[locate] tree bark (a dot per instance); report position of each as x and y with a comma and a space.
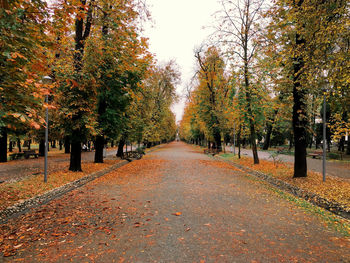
19, 145
81, 34
3, 145
42, 147
121, 147
239, 141
10, 147
75, 156
299, 112
66, 144
99, 145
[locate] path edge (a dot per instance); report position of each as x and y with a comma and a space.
313, 198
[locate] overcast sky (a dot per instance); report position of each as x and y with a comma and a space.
177, 30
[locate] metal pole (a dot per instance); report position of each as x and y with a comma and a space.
46, 138
234, 139
324, 137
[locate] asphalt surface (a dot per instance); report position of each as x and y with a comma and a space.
174, 205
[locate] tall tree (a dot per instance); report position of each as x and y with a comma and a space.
22, 63
237, 30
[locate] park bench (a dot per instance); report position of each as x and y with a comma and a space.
211, 151
132, 155
15, 156
316, 154
280, 150
29, 153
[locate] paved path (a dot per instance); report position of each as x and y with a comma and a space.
333, 168
175, 205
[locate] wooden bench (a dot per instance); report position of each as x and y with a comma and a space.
29, 153
211, 151
132, 155
316, 154
280, 150
15, 156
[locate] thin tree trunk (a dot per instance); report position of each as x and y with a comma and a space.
3, 145
239, 141
19, 145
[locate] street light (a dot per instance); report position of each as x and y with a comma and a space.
46, 80
324, 75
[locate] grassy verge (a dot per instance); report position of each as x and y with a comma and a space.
13, 192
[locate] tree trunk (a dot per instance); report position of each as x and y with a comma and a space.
121, 147
268, 137
341, 147
348, 148
239, 142
66, 144
29, 142
53, 144
99, 145
42, 147
299, 113
3, 145
19, 145
10, 147
60, 144
112, 143
75, 155
269, 131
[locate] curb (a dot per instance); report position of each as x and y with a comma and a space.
313, 198
36, 201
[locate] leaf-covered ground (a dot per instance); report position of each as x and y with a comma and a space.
175, 205
333, 189
13, 192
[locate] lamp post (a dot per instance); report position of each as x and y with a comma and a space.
324, 75
324, 136
46, 80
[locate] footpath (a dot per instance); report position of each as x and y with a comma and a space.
174, 205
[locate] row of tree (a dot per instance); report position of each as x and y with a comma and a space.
105, 83
265, 72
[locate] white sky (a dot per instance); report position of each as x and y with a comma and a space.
177, 30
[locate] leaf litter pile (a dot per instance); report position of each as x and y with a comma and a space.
334, 189
13, 192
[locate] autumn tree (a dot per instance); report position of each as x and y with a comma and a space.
307, 34
22, 61
237, 30
211, 85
